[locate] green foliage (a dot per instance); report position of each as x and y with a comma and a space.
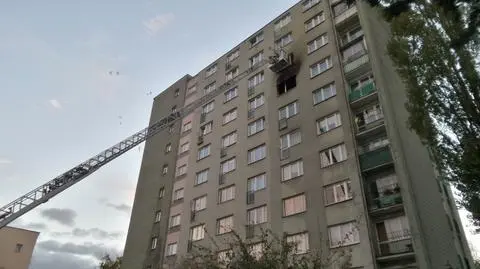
276, 253
443, 87
107, 262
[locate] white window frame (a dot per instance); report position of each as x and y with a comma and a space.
253, 217
284, 40
175, 220
233, 55
290, 139
328, 123
302, 204
201, 176
178, 194
308, 4
165, 169
154, 242
317, 43
226, 194
345, 231
256, 102
203, 152
191, 89
326, 92
182, 170
185, 147
230, 116
257, 183
301, 242
257, 126
207, 108
229, 139
258, 38
158, 216
161, 192
207, 128
211, 70
257, 154
319, 65
210, 88
197, 232
199, 203
288, 169
256, 80
171, 249
288, 111
336, 189
225, 225
168, 147
230, 94
314, 21
282, 22
233, 73
255, 59
231, 165
329, 153
187, 126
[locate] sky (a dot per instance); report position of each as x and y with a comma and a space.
75, 78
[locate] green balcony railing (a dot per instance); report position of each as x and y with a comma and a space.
375, 158
387, 201
363, 91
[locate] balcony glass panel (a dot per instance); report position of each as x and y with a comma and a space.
365, 118
394, 236
362, 91
375, 158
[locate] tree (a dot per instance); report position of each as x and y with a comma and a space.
443, 90
107, 262
464, 13
275, 252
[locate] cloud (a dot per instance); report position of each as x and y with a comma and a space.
55, 103
120, 207
86, 249
5, 161
43, 259
96, 233
154, 25
63, 216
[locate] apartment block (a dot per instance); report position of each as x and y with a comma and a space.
308, 137
16, 247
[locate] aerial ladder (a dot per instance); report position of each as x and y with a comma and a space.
45, 192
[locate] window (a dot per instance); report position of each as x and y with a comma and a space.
170, 129
229, 139
256, 154
232, 74
171, 249
161, 192
208, 108
256, 250
282, 22
294, 205
181, 170
187, 126
165, 169
174, 109
178, 194
286, 85
343, 235
224, 256
203, 152
230, 116
175, 220
328, 123
341, 7
351, 35
301, 242
255, 59
256, 126
292, 170
158, 216
199, 203
324, 93
211, 70
207, 128
338, 192
256, 80
353, 51
233, 55
333, 155
284, 40
256, 102
230, 94
192, 89
288, 111
225, 225
257, 183
197, 232
255, 40
257, 215
18, 248
226, 194
153, 244
290, 139
209, 88
316, 20
309, 4
177, 92
184, 147
168, 148
317, 43
320, 67
228, 165
201, 177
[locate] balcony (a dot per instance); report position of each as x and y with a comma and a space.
389, 200
397, 245
343, 17
369, 120
361, 94
375, 158
356, 64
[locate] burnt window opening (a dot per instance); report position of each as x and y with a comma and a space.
286, 84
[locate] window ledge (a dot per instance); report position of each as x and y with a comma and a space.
256, 161
321, 72
323, 101
320, 134
344, 245
293, 178
295, 214
336, 203
313, 51
335, 164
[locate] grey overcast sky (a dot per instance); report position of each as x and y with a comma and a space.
59, 105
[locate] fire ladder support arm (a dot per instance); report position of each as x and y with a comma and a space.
42, 194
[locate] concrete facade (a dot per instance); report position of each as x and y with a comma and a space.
361, 167
16, 247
